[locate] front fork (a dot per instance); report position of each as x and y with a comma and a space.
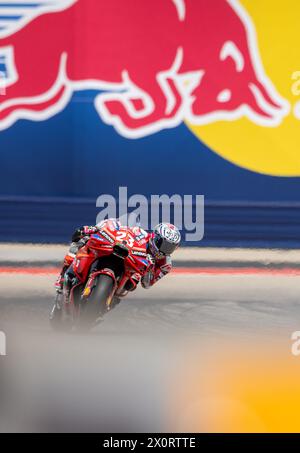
119, 289
91, 283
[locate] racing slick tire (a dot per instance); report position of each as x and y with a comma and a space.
95, 306
58, 321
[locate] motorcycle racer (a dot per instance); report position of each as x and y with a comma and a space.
161, 243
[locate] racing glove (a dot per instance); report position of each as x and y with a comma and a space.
83, 231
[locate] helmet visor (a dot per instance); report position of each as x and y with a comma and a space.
164, 246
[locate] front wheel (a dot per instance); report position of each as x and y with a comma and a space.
96, 304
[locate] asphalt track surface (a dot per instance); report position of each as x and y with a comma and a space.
114, 379
200, 301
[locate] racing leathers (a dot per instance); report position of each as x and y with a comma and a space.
161, 265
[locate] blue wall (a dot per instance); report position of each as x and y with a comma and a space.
53, 171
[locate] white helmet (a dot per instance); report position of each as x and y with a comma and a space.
166, 238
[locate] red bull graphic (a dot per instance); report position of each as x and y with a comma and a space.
155, 64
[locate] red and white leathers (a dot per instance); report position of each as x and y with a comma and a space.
161, 264
161, 267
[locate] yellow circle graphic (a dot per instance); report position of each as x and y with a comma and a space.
269, 149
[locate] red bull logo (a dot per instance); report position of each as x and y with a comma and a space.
155, 64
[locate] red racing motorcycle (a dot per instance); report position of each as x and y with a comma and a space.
110, 264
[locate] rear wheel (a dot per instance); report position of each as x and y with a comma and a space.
95, 305
56, 315
58, 320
